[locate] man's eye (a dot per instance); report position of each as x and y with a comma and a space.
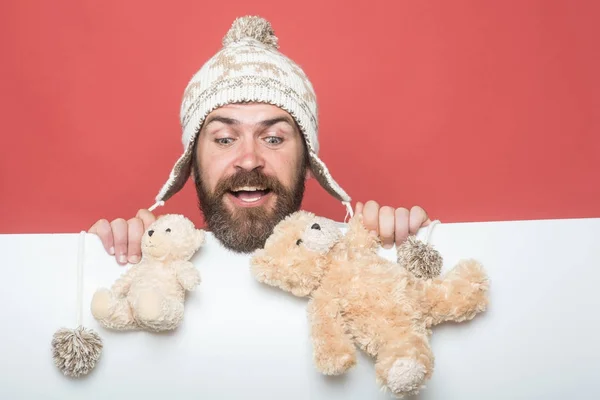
224, 141
273, 140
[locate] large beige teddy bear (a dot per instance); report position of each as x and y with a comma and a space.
359, 299
151, 294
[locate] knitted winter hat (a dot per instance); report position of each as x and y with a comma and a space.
249, 68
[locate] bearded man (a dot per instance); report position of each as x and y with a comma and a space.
250, 136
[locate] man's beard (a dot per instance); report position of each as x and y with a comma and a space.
246, 229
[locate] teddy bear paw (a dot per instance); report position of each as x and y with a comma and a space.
337, 364
406, 376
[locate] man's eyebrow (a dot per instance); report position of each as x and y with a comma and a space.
224, 120
265, 124
270, 122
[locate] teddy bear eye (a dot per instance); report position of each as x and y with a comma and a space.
298, 242
168, 230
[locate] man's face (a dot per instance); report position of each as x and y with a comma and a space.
251, 172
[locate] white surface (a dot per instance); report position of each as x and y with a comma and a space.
243, 340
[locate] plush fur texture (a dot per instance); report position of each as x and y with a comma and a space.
358, 299
151, 294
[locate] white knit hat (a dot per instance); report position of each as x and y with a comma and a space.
249, 68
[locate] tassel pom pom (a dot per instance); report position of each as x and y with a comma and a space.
76, 351
251, 27
421, 259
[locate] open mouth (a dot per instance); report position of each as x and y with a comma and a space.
250, 194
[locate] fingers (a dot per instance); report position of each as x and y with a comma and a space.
386, 227
418, 218
393, 226
103, 230
370, 214
146, 216
123, 238
120, 237
359, 208
136, 228
402, 218
134, 240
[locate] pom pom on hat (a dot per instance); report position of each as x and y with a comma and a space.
76, 351
251, 27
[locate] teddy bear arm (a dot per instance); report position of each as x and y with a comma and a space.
334, 350
121, 286
457, 297
187, 275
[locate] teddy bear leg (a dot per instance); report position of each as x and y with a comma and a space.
156, 312
174, 314
110, 311
403, 366
148, 307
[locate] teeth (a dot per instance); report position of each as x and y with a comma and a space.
248, 189
251, 200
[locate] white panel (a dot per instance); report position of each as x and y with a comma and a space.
244, 340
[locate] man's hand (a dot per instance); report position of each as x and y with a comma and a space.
123, 239
393, 226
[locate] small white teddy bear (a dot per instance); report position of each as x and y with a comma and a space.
151, 294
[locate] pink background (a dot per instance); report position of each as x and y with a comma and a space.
477, 111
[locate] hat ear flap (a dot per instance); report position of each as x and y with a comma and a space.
178, 177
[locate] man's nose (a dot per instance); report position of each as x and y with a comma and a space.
250, 157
